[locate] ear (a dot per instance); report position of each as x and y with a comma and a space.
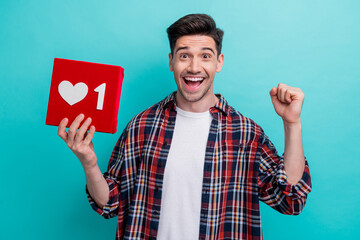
220, 62
170, 63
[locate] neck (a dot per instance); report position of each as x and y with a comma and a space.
202, 105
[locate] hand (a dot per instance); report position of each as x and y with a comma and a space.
287, 102
79, 141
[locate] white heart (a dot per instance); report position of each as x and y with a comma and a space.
72, 94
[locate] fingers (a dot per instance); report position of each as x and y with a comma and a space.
273, 92
61, 129
73, 129
281, 93
76, 133
82, 130
89, 135
287, 94
273, 95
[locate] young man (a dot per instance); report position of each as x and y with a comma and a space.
191, 166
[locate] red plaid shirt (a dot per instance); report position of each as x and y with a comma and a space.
241, 168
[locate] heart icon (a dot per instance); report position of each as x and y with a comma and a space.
72, 94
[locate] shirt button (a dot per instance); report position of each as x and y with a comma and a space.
161, 164
165, 144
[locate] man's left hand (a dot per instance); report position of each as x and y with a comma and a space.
287, 102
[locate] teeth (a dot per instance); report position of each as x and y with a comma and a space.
194, 79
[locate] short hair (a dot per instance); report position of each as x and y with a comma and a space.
193, 24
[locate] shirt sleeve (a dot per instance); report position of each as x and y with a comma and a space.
274, 188
113, 178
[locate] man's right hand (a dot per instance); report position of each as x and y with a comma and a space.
79, 140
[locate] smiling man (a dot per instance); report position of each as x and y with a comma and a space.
191, 166
194, 61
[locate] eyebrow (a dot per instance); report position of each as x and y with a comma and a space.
210, 49
204, 48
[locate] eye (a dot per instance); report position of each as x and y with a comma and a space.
184, 55
206, 56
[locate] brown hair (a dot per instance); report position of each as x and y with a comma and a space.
193, 24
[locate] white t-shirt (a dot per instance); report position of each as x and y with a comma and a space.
182, 186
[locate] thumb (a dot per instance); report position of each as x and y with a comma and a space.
274, 98
273, 93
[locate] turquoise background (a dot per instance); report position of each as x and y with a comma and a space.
314, 45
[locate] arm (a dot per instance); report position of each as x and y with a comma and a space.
79, 141
288, 102
274, 187
284, 182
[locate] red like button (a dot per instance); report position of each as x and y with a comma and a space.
82, 87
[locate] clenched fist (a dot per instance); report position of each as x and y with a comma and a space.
287, 102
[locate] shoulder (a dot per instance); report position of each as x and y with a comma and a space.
248, 129
236, 119
150, 115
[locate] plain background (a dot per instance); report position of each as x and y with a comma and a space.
313, 45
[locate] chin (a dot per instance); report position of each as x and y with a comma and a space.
192, 97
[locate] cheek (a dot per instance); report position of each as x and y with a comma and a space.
211, 68
177, 75
177, 72
179, 68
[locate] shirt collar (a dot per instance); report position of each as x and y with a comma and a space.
221, 105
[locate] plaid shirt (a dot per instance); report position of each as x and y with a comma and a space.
241, 167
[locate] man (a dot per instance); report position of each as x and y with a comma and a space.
192, 167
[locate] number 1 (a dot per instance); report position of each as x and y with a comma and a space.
101, 90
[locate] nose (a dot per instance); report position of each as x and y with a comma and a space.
194, 66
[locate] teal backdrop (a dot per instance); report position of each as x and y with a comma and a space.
313, 45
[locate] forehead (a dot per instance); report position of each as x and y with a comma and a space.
195, 42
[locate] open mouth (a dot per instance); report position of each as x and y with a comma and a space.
193, 83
